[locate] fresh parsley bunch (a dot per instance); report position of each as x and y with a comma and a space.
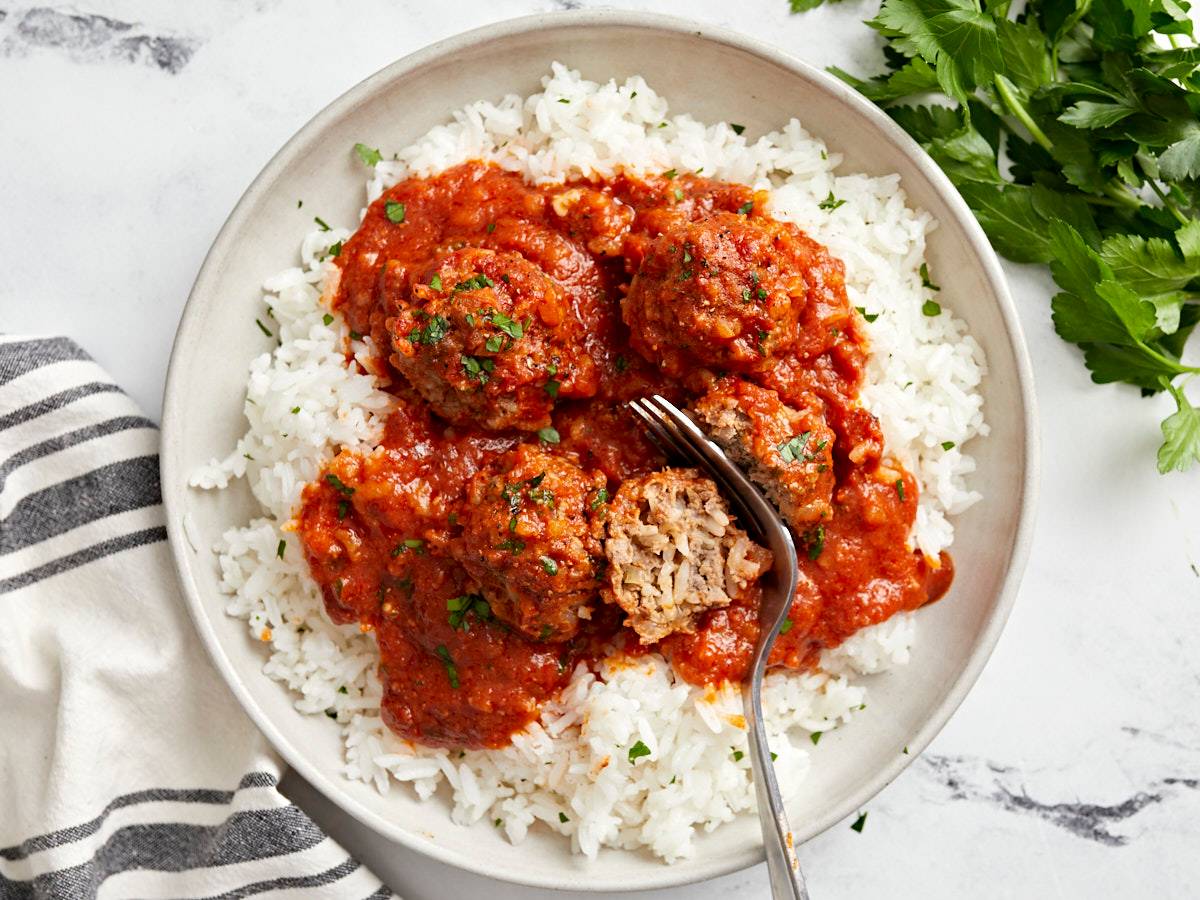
1096, 107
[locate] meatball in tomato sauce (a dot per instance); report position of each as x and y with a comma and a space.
531, 540
726, 292
488, 338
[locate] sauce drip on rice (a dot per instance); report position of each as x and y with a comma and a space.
476, 539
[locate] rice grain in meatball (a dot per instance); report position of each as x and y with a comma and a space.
674, 551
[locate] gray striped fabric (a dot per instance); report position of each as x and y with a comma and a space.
126, 767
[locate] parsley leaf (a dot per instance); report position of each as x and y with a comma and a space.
368, 155
1181, 435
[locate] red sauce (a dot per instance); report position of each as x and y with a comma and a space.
392, 536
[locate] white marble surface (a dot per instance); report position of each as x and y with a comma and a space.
1073, 769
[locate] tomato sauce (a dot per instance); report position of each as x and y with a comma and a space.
384, 532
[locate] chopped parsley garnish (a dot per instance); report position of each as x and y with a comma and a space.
931, 308
480, 369
343, 509
900, 488
786, 626
335, 249
342, 690
600, 499
738, 755
925, 282
321, 223
670, 173
263, 328
762, 293
549, 435
563, 100
814, 540
431, 332
947, 445
562, 817
493, 344
544, 633
745, 295
815, 737
678, 194
859, 822
368, 155
295, 410
491, 227
551, 387
448, 662
830, 203
621, 363
279, 550
744, 209
338, 485
793, 450
870, 317
498, 822
327, 319
475, 283
549, 566
737, 129
354, 335
512, 545
511, 327
638, 750
394, 211
468, 604
436, 282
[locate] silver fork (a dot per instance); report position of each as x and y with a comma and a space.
677, 434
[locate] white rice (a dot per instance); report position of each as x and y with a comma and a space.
574, 763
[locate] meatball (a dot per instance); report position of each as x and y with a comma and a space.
726, 291
489, 339
531, 539
786, 451
674, 552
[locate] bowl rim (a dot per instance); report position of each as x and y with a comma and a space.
174, 481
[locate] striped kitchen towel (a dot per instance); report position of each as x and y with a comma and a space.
126, 767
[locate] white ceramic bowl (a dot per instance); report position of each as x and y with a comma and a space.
713, 74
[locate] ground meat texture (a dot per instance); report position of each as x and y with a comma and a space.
531, 539
787, 451
727, 291
487, 338
675, 552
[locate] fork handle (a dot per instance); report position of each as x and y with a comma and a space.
783, 868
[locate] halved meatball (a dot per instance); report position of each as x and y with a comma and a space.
787, 451
531, 539
674, 552
489, 339
726, 291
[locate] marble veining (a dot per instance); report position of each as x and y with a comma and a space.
88, 37
982, 780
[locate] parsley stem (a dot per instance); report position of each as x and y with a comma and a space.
1122, 195
1176, 367
1005, 89
1167, 202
